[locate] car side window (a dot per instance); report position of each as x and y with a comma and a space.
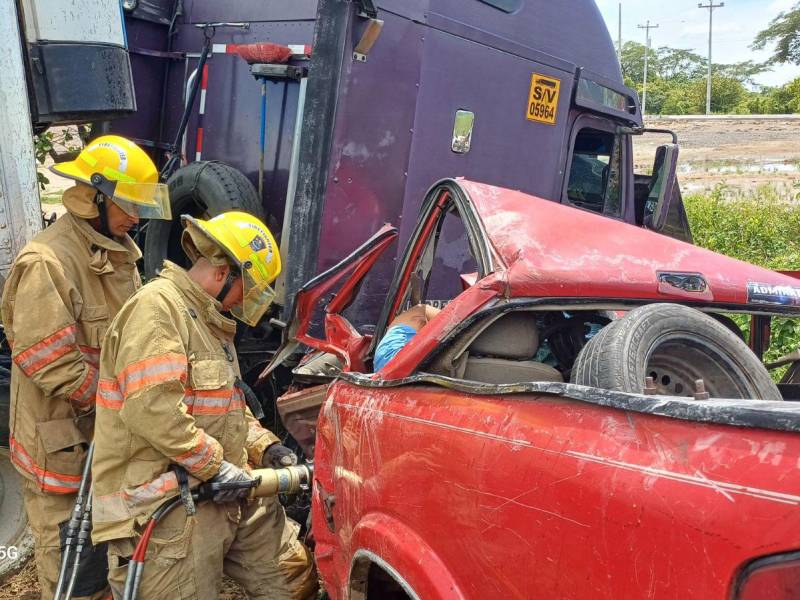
595, 176
451, 259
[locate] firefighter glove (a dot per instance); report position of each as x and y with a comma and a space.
277, 456
230, 473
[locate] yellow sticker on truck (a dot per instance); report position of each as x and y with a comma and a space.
543, 99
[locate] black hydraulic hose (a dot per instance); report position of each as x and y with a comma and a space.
174, 158
74, 523
83, 538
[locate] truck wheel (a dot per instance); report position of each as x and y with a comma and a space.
15, 537
675, 345
14, 532
201, 189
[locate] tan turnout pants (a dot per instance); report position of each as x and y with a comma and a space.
251, 542
45, 512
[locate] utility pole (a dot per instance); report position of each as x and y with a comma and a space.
647, 29
619, 34
710, 6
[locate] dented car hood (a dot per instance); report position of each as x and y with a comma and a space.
545, 249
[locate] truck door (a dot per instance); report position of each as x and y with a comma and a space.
596, 177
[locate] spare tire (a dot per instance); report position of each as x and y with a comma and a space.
675, 345
201, 189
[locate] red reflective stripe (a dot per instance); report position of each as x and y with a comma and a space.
212, 402
47, 351
107, 506
84, 395
198, 457
151, 371
91, 355
254, 431
49, 481
108, 394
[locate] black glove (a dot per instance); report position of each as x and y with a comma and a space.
277, 456
229, 473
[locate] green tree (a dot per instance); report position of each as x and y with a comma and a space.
784, 32
632, 62
745, 71
679, 65
727, 94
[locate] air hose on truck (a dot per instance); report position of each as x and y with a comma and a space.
265, 483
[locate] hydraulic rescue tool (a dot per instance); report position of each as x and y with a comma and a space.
78, 533
265, 483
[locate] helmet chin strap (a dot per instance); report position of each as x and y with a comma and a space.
100, 200
229, 281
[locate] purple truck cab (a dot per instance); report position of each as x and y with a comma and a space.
395, 95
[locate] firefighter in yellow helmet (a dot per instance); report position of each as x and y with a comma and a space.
63, 290
171, 413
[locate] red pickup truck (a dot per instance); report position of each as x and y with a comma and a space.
583, 419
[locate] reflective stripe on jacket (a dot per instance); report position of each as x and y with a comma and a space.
63, 289
166, 396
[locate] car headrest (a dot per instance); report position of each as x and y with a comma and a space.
514, 336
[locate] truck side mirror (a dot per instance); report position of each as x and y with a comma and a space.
662, 186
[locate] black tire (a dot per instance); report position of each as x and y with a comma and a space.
201, 189
676, 345
15, 537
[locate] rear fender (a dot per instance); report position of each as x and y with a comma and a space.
382, 540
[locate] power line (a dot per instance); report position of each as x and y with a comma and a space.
710, 6
647, 29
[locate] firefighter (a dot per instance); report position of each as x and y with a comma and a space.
171, 413
64, 288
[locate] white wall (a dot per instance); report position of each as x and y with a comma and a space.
20, 212
74, 21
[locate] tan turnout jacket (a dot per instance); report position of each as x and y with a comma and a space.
166, 396
63, 290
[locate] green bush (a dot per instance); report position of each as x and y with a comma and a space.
762, 228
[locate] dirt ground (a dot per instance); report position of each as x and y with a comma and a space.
743, 154
24, 586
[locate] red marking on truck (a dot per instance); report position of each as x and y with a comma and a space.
299, 51
198, 154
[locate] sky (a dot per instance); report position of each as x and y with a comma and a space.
683, 25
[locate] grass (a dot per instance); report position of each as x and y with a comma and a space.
50, 198
760, 227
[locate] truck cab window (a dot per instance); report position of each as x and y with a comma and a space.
596, 171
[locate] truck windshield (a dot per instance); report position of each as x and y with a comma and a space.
594, 179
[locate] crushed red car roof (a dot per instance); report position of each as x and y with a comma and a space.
545, 249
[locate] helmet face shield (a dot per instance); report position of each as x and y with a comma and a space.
143, 200
256, 299
123, 172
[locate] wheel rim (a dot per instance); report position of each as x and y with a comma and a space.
676, 363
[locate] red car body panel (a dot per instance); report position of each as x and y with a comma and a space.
460, 491
545, 497
552, 249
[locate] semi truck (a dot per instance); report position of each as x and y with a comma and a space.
331, 118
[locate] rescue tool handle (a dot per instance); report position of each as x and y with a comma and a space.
265, 482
